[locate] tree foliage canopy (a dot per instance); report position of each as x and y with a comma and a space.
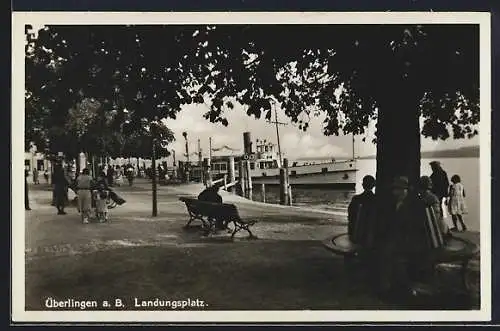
67, 66
347, 72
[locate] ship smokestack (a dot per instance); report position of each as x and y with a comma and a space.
247, 143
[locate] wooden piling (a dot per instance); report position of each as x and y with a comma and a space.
248, 180
289, 194
241, 178
282, 186
263, 192
232, 175
288, 185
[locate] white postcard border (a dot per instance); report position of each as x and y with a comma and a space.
19, 19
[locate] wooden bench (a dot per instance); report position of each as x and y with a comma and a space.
457, 251
209, 212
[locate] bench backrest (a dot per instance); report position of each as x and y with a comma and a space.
427, 225
433, 229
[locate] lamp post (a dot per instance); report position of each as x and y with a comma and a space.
154, 188
163, 144
174, 165
187, 167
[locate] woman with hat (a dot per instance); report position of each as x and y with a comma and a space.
440, 183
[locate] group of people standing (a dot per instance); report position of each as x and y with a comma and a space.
85, 186
36, 174
91, 192
114, 175
453, 195
396, 239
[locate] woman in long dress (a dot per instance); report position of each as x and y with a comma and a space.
61, 185
456, 203
84, 185
118, 177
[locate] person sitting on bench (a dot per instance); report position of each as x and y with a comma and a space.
432, 201
393, 240
409, 241
359, 231
211, 194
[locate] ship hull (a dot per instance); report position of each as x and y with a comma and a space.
340, 175
340, 179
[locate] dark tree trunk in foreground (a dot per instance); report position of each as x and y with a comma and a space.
398, 141
78, 170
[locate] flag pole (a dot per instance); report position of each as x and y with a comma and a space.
353, 151
210, 149
209, 165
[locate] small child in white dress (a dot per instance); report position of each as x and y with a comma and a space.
101, 203
456, 202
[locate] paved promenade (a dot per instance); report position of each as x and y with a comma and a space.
136, 255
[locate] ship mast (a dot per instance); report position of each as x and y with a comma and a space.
277, 131
353, 152
210, 149
200, 158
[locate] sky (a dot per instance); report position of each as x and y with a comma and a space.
294, 142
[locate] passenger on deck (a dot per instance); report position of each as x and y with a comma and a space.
360, 224
211, 194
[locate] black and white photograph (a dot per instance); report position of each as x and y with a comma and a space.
251, 167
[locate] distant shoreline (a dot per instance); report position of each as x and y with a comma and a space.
464, 152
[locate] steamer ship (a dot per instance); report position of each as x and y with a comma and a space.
265, 163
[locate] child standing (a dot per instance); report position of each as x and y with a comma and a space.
101, 203
456, 202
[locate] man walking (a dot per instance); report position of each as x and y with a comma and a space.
440, 183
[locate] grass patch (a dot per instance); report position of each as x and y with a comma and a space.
256, 275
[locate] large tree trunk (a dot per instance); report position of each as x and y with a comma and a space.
398, 141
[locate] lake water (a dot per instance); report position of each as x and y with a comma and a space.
466, 168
